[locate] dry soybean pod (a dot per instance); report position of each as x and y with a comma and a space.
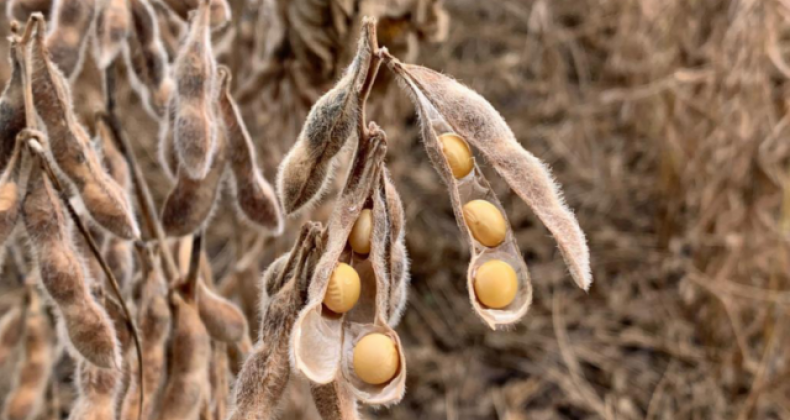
220, 11
194, 124
266, 372
70, 144
191, 201
113, 25
334, 401
12, 106
445, 104
317, 327
147, 60
397, 256
26, 397
153, 318
305, 171
12, 188
255, 198
11, 331
21, 10
96, 390
67, 39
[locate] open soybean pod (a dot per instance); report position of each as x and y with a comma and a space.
266, 371
12, 106
20, 10
188, 380
305, 171
25, 399
70, 144
195, 125
67, 40
87, 327
445, 104
147, 60
113, 25
191, 201
318, 327
220, 9
255, 197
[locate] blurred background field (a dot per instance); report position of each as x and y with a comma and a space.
665, 122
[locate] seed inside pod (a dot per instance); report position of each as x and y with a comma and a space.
359, 239
496, 284
458, 154
486, 222
342, 293
376, 359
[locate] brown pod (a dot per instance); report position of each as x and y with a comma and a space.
224, 321
96, 390
305, 171
255, 197
397, 257
20, 10
12, 108
67, 39
447, 106
147, 59
317, 327
11, 193
191, 202
153, 319
113, 25
220, 11
86, 325
334, 401
25, 399
188, 380
264, 377
71, 147
194, 124
11, 332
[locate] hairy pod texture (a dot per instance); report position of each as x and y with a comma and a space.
113, 25
334, 401
147, 59
71, 147
24, 401
266, 371
194, 124
11, 332
316, 327
20, 10
87, 326
396, 258
12, 108
12, 189
223, 320
67, 40
220, 12
255, 197
188, 380
96, 391
447, 104
305, 171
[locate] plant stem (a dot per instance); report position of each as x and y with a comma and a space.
370, 78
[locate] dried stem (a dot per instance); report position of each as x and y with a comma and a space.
190, 286
367, 85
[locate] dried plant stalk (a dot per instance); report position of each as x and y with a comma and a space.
25, 400
316, 327
255, 197
195, 125
147, 59
69, 142
113, 25
305, 171
265, 374
67, 39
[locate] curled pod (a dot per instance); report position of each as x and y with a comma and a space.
191, 201
11, 332
20, 10
263, 378
224, 321
255, 198
12, 108
220, 12
154, 321
85, 323
334, 401
396, 256
447, 106
188, 380
305, 171
147, 59
71, 147
68, 37
96, 390
194, 123
30, 380
317, 326
113, 25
